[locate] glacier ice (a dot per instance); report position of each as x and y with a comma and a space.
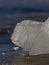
33, 36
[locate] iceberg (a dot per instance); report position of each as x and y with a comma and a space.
32, 36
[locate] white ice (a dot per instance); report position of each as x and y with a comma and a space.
33, 36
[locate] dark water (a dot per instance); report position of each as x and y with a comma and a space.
21, 10
6, 47
5, 41
12, 16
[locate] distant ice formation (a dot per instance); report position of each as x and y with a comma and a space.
33, 36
